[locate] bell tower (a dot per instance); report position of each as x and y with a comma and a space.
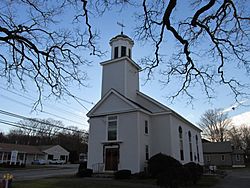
121, 73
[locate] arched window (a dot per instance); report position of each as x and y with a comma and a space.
190, 145
197, 148
181, 143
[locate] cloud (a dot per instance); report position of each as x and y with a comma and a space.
240, 119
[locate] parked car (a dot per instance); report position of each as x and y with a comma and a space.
56, 161
38, 162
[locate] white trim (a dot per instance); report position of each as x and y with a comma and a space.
238, 166
138, 140
119, 59
125, 80
117, 127
106, 96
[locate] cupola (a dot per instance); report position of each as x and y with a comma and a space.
121, 45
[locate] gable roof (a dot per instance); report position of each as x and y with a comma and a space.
153, 102
20, 148
131, 105
160, 108
217, 147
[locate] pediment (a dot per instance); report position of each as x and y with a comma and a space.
113, 102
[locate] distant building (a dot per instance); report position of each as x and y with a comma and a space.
222, 154
16, 154
127, 127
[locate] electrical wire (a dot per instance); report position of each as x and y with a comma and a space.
45, 112
3, 112
30, 99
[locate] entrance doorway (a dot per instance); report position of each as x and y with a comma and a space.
111, 159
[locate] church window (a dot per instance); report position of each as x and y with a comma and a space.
146, 127
197, 148
112, 128
147, 152
190, 145
116, 52
181, 144
123, 51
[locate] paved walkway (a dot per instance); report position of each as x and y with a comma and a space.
237, 178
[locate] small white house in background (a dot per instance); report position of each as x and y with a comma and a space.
17, 154
55, 153
127, 127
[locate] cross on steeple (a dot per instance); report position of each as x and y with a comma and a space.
122, 26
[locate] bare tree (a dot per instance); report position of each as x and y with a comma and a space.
215, 125
37, 44
212, 37
240, 137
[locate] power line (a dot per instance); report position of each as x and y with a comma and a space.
43, 104
76, 98
45, 112
36, 120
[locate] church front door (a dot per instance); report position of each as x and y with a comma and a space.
111, 159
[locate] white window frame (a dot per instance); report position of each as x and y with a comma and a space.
107, 127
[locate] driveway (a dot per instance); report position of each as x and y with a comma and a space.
43, 172
236, 178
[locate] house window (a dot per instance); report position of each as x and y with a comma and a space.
50, 157
208, 158
181, 144
237, 157
112, 128
190, 145
223, 157
123, 51
146, 152
116, 52
146, 127
197, 148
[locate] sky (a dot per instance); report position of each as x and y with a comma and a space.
17, 101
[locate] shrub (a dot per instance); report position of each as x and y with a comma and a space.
85, 172
160, 163
122, 174
194, 170
166, 169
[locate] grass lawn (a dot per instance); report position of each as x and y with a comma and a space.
74, 182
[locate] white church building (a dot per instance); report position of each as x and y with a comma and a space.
127, 127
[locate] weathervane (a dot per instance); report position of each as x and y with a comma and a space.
122, 26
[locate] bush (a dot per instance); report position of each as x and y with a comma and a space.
194, 170
160, 163
85, 172
166, 169
122, 174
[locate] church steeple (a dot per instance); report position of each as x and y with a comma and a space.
121, 45
121, 73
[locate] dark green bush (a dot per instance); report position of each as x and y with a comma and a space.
160, 163
122, 174
194, 170
85, 172
166, 169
